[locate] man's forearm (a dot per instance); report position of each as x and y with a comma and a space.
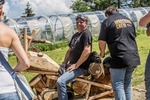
84, 56
102, 47
145, 20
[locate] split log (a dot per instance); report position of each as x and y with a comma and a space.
44, 62
51, 81
49, 94
80, 87
38, 83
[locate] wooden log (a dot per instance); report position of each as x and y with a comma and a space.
80, 87
25, 39
88, 92
44, 63
38, 83
95, 83
41, 72
49, 94
39, 97
101, 95
51, 81
30, 38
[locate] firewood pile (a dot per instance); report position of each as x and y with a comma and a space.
96, 85
93, 86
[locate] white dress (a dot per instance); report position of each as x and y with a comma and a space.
6, 81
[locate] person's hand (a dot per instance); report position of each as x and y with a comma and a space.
63, 64
72, 67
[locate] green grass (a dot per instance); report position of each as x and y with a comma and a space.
57, 55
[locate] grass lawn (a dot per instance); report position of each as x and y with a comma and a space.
57, 55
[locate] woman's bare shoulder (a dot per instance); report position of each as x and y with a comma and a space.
6, 29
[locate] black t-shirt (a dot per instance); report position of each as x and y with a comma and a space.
119, 33
77, 44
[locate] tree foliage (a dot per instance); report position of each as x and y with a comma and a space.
141, 3
28, 11
94, 5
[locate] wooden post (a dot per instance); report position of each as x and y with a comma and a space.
31, 37
25, 39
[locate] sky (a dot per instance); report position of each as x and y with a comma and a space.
16, 8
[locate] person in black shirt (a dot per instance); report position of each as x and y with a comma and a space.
145, 21
77, 56
118, 32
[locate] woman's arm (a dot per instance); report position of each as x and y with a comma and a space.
23, 61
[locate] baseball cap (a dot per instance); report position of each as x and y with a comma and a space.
2, 2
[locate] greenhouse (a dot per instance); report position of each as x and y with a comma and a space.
61, 27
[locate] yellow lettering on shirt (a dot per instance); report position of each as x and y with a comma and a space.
121, 23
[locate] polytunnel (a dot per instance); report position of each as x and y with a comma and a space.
68, 26
130, 14
100, 15
142, 10
94, 23
139, 13
125, 13
73, 16
59, 27
46, 27
32, 24
133, 16
147, 8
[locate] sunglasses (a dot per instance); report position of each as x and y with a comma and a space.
82, 17
2, 2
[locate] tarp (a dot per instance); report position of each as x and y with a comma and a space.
67, 26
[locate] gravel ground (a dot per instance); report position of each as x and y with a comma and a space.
139, 92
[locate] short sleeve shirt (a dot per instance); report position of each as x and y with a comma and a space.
119, 33
77, 44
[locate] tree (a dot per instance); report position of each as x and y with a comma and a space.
94, 5
28, 11
91, 5
80, 6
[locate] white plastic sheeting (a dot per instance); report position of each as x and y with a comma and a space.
95, 24
58, 27
31, 24
46, 27
67, 27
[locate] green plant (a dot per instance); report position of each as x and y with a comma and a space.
47, 47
